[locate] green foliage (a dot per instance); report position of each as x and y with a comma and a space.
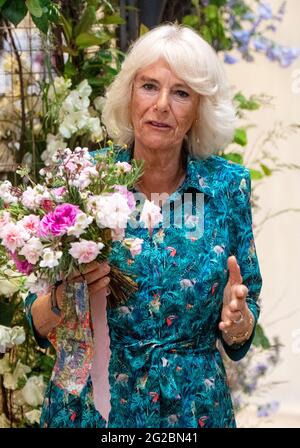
42, 12
240, 137
260, 338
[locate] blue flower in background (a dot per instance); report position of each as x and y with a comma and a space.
265, 11
242, 36
260, 44
229, 59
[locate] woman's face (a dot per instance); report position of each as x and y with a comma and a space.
163, 107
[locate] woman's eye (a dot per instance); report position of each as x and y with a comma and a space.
182, 93
149, 86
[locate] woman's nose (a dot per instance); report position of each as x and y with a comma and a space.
162, 103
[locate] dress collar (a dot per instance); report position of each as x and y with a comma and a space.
198, 174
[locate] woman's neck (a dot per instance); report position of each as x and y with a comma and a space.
164, 170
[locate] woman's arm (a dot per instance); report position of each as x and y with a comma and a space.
43, 319
243, 247
38, 309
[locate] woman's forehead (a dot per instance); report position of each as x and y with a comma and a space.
158, 71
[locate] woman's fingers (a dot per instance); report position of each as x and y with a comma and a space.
99, 285
234, 271
91, 272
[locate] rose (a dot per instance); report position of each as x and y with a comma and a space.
56, 223
85, 251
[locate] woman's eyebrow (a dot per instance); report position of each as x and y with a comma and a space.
145, 78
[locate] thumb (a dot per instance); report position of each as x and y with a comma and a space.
234, 271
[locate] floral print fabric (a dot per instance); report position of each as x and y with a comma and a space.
165, 370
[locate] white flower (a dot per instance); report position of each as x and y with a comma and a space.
111, 210
81, 223
11, 379
61, 87
75, 103
151, 214
95, 129
17, 335
5, 192
5, 341
99, 102
50, 258
54, 142
33, 416
32, 250
84, 89
68, 126
37, 285
134, 245
33, 391
10, 337
8, 286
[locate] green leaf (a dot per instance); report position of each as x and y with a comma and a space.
67, 27
191, 20
85, 40
143, 29
266, 170
34, 8
255, 174
234, 157
260, 339
2, 3
112, 20
244, 103
15, 11
240, 137
6, 313
87, 20
211, 12
42, 23
69, 69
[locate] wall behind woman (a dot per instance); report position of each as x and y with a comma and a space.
278, 243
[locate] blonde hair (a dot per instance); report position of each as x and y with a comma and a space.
197, 64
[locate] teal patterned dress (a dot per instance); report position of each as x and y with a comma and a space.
165, 370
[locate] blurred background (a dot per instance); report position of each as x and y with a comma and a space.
58, 57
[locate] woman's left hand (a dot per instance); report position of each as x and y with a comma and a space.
235, 307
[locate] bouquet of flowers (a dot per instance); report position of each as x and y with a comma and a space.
71, 218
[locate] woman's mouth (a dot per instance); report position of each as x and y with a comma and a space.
158, 125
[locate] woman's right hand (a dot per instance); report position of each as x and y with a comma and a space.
95, 275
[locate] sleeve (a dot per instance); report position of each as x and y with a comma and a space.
42, 342
243, 247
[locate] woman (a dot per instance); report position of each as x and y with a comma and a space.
171, 105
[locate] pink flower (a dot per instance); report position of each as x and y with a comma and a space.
47, 205
124, 167
31, 223
85, 251
22, 265
151, 214
128, 195
4, 220
15, 236
32, 250
134, 245
59, 192
57, 222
